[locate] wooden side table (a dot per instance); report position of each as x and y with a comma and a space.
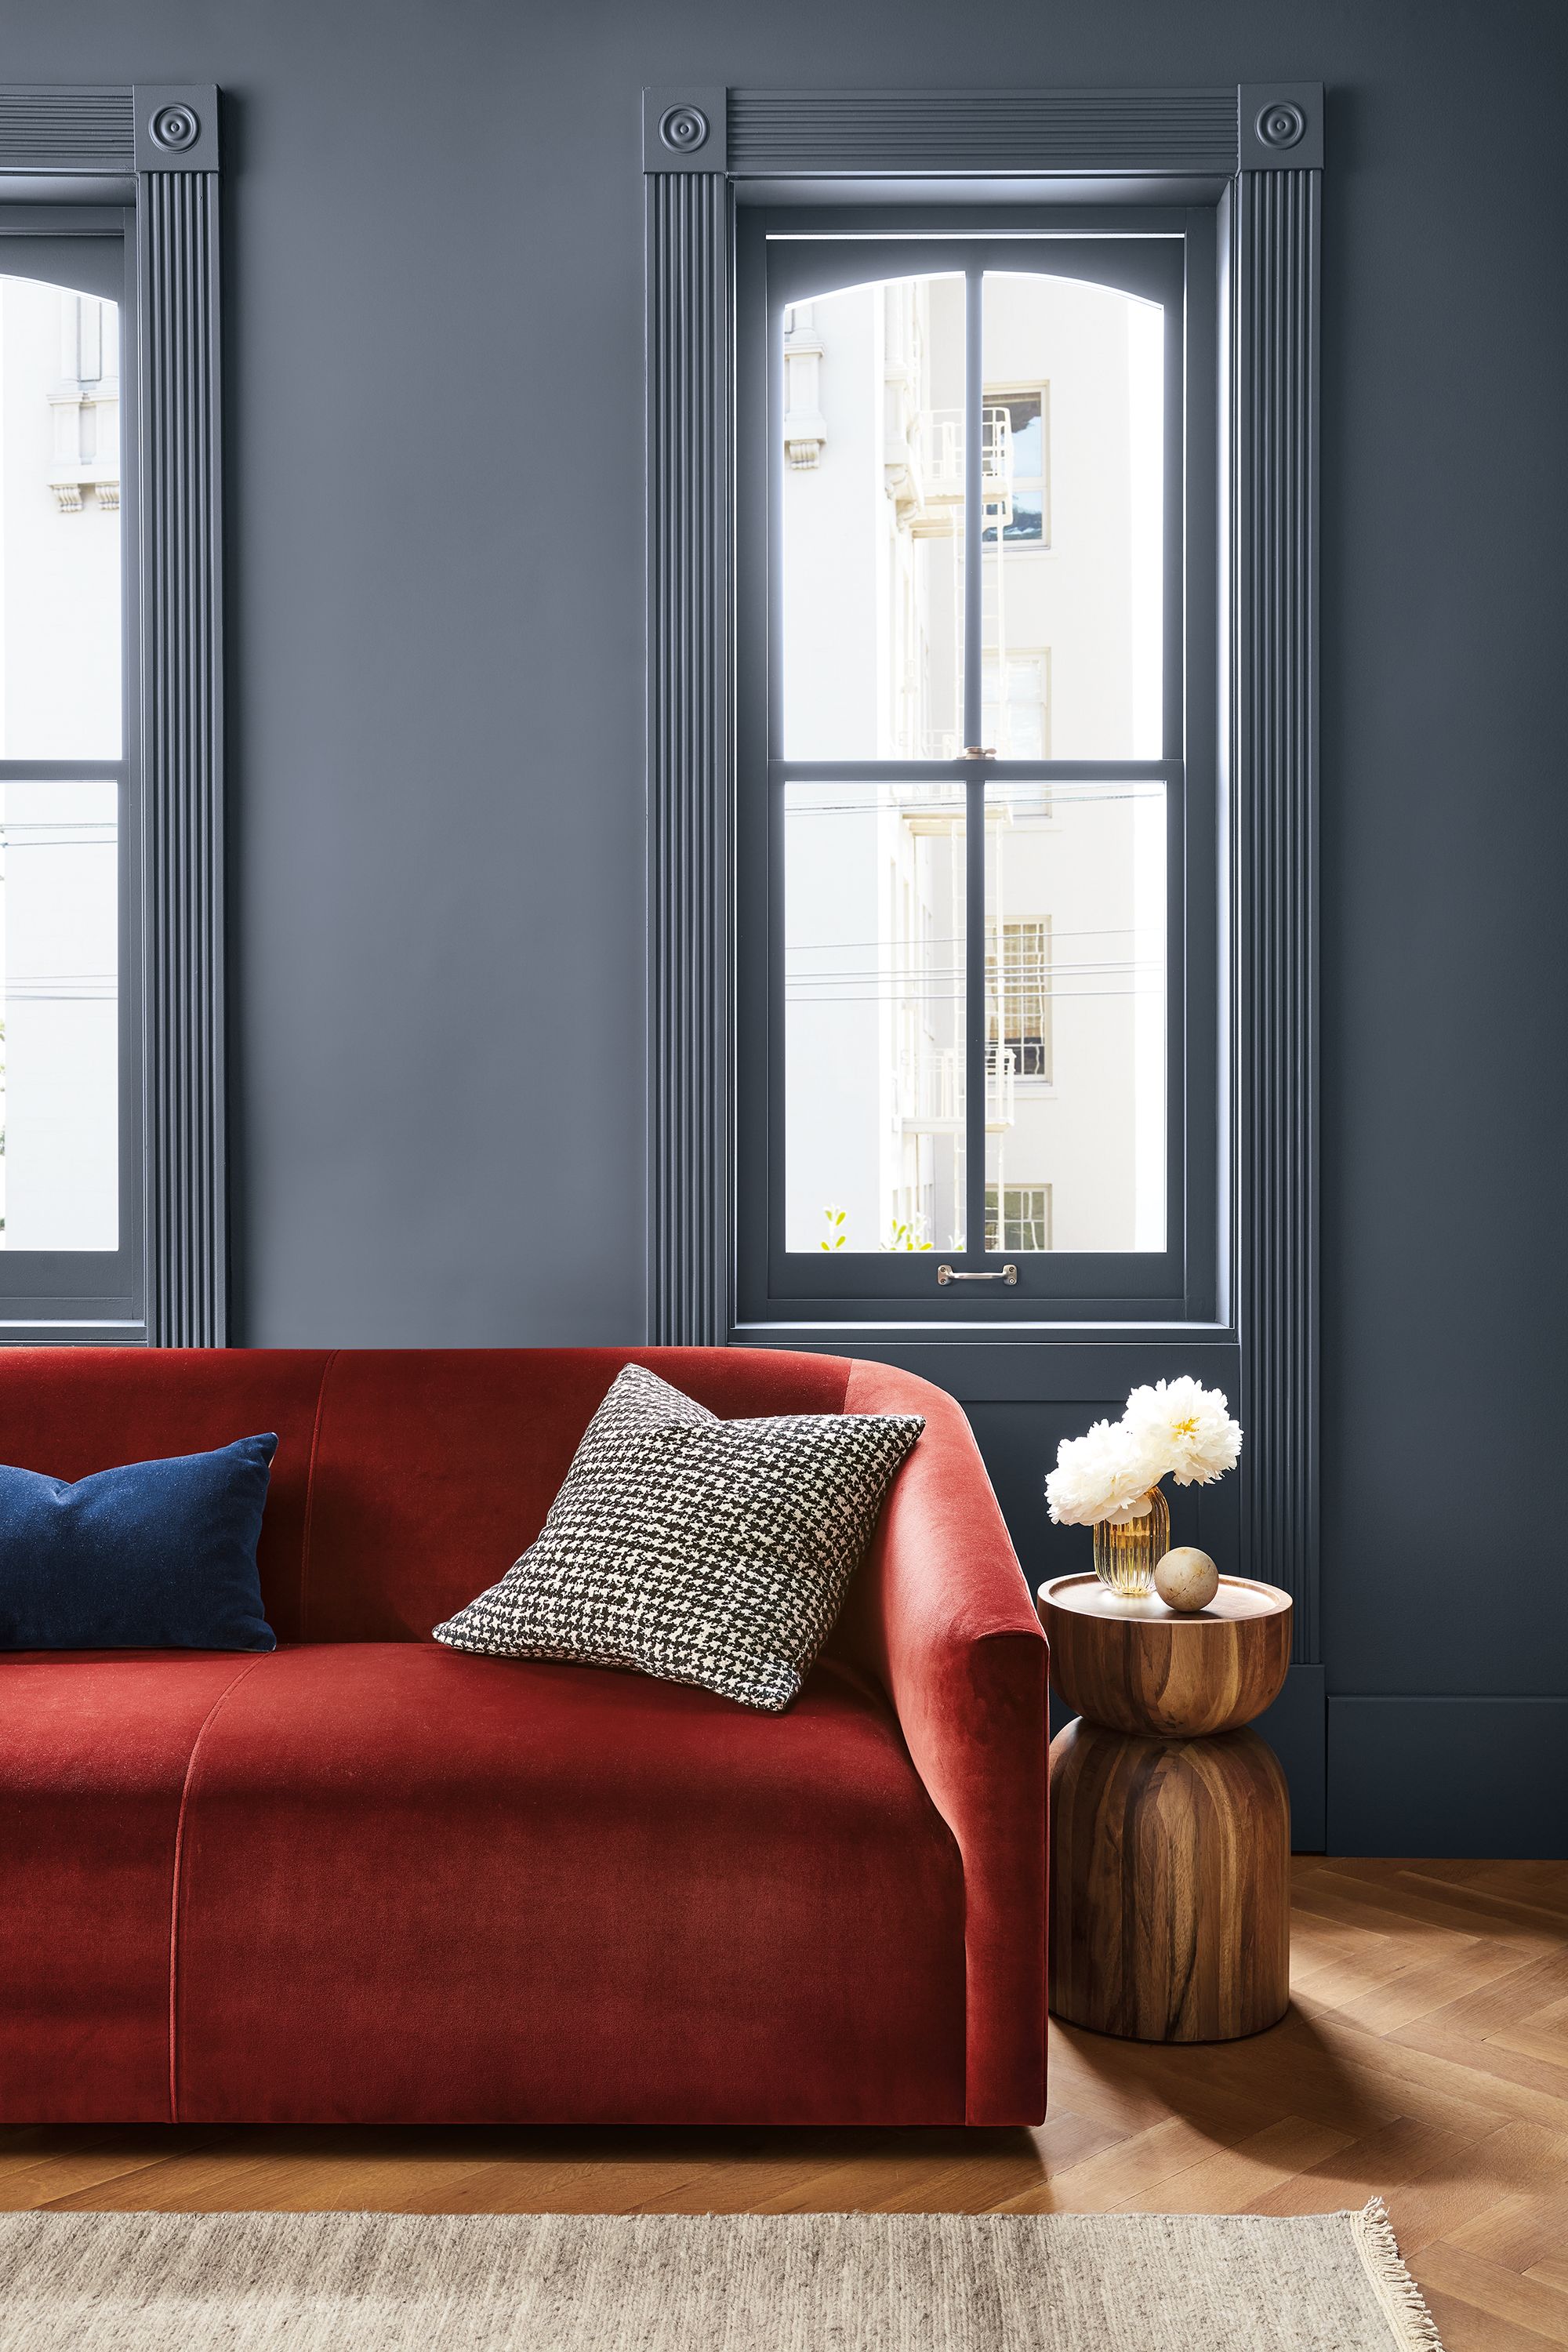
1170, 1822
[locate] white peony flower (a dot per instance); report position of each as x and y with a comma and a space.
1185, 1428
1105, 1475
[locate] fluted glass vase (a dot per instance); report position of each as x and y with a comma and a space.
1124, 1556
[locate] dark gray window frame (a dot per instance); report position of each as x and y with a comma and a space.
1180, 1283
1254, 155
144, 159
42, 1290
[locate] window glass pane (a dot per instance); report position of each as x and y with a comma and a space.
1075, 1016
59, 524
59, 1080
873, 523
874, 932
1072, 533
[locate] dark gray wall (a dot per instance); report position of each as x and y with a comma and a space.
434, 252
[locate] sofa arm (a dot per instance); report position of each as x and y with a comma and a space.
944, 1616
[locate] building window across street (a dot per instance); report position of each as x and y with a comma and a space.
1025, 1217
1021, 511
1018, 996
1016, 703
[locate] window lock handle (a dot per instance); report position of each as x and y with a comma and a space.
946, 1274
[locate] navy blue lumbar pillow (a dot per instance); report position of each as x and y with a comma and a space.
156, 1556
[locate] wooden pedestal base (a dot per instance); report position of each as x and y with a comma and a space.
1170, 1885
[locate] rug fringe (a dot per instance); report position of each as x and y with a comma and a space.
1414, 2326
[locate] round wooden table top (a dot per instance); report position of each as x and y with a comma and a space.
1144, 1668
1237, 1596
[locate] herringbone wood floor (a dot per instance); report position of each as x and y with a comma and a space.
1425, 2059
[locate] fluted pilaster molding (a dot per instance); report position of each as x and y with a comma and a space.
182, 753
1276, 255
688, 280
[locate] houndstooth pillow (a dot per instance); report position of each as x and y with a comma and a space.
700, 1550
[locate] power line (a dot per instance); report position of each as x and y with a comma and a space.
956, 939
1072, 997
61, 988
912, 979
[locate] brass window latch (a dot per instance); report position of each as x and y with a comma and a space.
946, 1274
978, 751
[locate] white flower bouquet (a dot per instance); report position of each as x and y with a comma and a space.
1177, 1429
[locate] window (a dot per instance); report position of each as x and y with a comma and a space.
1026, 1213
1018, 996
70, 1189
1227, 1078
1022, 512
1016, 703
966, 815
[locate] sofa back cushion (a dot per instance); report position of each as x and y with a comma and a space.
434, 1468
405, 1480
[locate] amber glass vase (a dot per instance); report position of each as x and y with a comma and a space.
1124, 1556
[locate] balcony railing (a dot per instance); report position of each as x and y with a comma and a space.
931, 1090
1001, 1070
941, 461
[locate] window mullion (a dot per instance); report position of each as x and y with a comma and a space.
975, 1010
974, 791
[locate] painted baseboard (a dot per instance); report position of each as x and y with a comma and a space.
1293, 1727
1481, 1778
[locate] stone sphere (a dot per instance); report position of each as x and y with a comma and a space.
1186, 1579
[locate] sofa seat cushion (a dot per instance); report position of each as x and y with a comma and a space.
94, 1752
418, 1885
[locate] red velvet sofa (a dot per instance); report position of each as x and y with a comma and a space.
366, 1878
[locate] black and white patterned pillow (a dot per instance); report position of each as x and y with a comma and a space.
700, 1550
